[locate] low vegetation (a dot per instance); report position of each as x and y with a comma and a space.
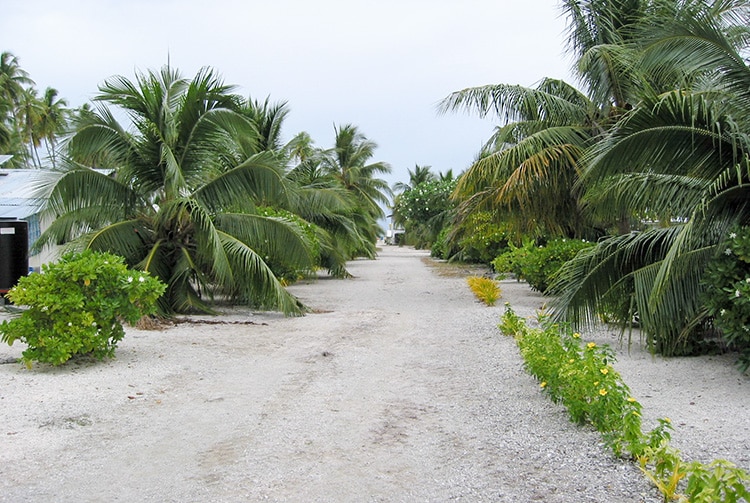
77, 306
538, 264
486, 289
581, 376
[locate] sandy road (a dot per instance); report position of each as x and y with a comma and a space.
398, 388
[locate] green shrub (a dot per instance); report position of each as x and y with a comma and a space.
727, 294
482, 239
539, 264
581, 378
75, 307
513, 259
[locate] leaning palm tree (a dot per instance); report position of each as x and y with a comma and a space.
528, 172
681, 158
179, 193
530, 166
319, 199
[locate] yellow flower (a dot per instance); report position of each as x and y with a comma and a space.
571, 360
543, 384
667, 420
87, 282
635, 413
591, 345
631, 399
602, 392
604, 370
576, 335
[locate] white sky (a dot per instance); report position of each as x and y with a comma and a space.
379, 64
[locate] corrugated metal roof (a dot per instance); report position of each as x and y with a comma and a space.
17, 198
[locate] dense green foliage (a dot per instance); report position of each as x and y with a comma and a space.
651, 161
77, 305
480, 238
539, 264
727, 295
198, 188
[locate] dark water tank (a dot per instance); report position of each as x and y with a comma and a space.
14, 252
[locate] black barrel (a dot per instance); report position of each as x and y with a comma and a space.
14, 252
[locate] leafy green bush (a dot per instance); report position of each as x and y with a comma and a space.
482, 238
583, 379
539, 264
727, 294
75, 307
441, 248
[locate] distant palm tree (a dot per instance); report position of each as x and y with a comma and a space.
52, 121
14, 82
349, 163
180, 200
448, 176
419, 175
28, 116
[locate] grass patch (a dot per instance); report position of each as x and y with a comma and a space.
485, 289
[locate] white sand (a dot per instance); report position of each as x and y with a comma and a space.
399, 388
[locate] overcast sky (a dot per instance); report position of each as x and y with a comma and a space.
379, 64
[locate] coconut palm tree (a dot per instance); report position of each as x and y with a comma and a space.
52, 122
268, 118
681, 157
600, 39
179, 194
349, 163
530, 166
419, 175
529, 169
14, 82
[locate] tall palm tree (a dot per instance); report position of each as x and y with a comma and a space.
14, 82
682, 157
600, 38
180, 199
28, 117
52, 122
349, 163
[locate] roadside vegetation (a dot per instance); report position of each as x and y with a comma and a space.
645, 163
582, 377
197, 186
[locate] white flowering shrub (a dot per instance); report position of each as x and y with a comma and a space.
77, 305
425, 210
727, 295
